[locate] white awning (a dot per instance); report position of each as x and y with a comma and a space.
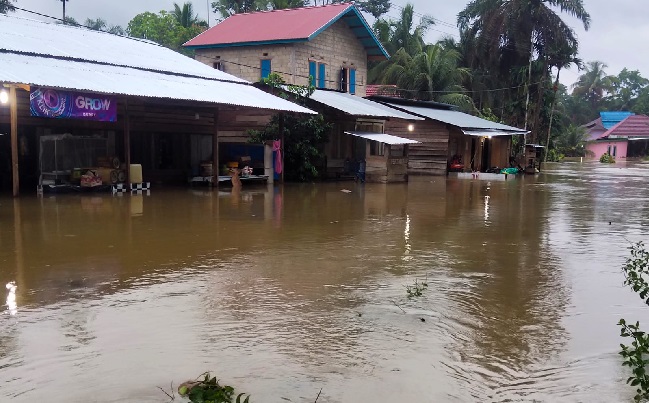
487, 133
383, 138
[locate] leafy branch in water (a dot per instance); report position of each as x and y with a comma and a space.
206, 389
636, 273
416, 289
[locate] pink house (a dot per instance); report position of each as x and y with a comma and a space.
627, 139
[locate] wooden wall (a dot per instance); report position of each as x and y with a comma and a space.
430, 156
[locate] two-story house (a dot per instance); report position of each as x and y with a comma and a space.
329, 45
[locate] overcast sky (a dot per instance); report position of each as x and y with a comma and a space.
617, 35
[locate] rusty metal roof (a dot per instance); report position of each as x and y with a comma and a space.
287, 26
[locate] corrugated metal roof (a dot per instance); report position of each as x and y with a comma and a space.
83, 76
357, 106
455, 118
486, 133
611, 118
383, 138
286, 26
30, 36
632, 126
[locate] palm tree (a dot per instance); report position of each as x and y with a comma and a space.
593, 84
430, 75
186, 17
98, 25
6, 6
510, 33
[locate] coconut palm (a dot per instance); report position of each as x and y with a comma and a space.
6, 6
185, 15
593, 84
430, 75
98, 24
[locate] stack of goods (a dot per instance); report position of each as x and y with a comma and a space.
111, 170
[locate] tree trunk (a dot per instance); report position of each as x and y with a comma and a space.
554, 104
539, 103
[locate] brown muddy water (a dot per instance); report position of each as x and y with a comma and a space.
283, 292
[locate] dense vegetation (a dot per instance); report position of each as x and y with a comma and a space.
505, 64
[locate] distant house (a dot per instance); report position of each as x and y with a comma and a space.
628, 138
327, 46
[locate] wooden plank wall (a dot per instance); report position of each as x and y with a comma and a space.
430, 156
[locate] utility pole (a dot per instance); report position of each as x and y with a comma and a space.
208, 14
64, 20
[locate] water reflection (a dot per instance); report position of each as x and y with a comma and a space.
12, 307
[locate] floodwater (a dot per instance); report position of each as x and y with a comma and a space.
282, 293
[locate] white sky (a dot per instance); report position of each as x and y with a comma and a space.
617, 35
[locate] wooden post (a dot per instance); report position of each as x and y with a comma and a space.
13, 112
215, 150
281, 146
127, 144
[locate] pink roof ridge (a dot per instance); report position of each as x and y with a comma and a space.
270, 25
633, 125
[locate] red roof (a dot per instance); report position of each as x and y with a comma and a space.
382, 90
271, 26
632, 126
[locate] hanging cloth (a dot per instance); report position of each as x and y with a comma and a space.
277, 147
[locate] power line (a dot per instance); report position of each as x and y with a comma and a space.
463, 91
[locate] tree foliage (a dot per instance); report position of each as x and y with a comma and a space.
162, 28
185, 16
6, 6
304, 138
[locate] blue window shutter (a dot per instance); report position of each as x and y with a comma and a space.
312, 73
352, 81
265, 68
321, 76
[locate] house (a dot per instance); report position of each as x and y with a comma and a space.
326, 46
452, 140
628, 138
329, 47
360, 135
71, 103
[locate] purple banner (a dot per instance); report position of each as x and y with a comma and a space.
57, 104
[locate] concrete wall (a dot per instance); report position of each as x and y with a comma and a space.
337, 47
599, 148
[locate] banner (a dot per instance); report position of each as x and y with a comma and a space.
57, 104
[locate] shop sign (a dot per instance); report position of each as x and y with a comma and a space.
57, 104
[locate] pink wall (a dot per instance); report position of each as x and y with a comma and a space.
600, 147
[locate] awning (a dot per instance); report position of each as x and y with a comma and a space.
383, 138
487, 133
357, 106
466, 122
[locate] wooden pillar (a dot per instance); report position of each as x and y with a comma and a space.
281, 139
13, 112
215, 150
127, 144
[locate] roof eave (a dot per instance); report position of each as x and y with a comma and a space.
239, 44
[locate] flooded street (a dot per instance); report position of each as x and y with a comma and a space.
283, 292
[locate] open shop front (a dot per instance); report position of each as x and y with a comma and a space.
131, 140
478, 151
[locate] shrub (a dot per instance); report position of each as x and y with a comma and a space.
607, 159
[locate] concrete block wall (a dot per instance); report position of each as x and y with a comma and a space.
337, 47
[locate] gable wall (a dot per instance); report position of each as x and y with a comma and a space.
337, 47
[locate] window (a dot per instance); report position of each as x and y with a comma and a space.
265, 68
218, 65
312, 73
608, 150
352, 81
322, 81
343, 79
614, 151
377, 148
